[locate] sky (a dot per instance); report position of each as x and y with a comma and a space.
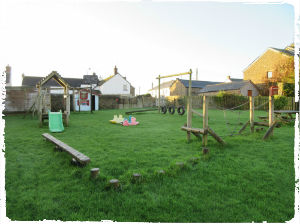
143, 39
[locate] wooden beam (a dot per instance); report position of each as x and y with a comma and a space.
197, 135
159, 94
195, 130
261, 124
205, 120
189, 108
81, 158
142, 110
213, 134
179, 74
251, 101
269, 131
244, 126
271, 113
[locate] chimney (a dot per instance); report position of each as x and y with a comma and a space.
197, 74
152, 85
8, 75
115, 70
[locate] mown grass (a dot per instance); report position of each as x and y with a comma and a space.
247, 180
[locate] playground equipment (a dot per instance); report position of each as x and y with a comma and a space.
55, 121
116, 119
78, 156
140, 111
272, 122
202, 131
131, 121
40, 99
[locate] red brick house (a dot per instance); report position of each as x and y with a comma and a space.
271, 68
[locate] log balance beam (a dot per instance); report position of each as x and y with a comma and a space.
140, 111
78, 156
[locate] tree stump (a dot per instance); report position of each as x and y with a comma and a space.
180, 165
205, 150
94, 173
161, 172
114, 183
194, 160
136, 177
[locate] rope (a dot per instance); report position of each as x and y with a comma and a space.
261, 105
222, 108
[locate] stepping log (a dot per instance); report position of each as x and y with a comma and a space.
114, 183
180, 164
136, 177
194, 160
161, 172
94, 173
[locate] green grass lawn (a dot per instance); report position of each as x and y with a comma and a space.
246, 180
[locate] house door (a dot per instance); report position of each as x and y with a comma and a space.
93, 102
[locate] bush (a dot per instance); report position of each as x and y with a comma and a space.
280, 102
288, 89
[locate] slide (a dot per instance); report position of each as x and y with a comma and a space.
55, 121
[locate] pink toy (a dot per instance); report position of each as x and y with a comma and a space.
125, 123
133, 121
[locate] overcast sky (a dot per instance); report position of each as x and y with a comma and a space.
143, 38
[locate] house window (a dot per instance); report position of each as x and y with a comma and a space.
125, 88
269, 75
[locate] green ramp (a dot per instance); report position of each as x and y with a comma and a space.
55, 121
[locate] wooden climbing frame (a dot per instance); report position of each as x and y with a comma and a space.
206, 130
271, 124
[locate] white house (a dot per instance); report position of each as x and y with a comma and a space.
164, 89
116, 85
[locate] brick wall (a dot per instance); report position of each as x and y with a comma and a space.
269, 61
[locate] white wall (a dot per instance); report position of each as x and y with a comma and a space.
115, 86
163, 92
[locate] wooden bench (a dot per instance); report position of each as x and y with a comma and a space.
78, 156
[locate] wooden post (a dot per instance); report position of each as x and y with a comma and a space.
189, 109
67, 105
40, 113
114, 183
79, 100
94, 173
136, 177
251, 101
91, 96
159, 94
205, 121
271, 112
74, 101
